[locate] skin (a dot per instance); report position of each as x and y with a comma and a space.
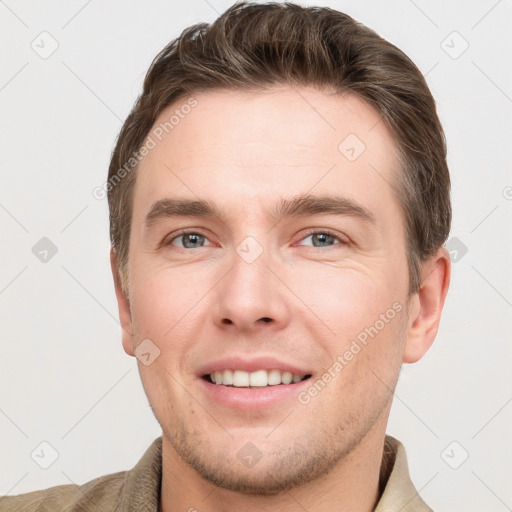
197, 302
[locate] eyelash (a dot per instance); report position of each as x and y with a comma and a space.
310, 232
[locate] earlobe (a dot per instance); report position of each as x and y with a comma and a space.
123, 307
424, 323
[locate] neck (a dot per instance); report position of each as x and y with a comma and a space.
351, 486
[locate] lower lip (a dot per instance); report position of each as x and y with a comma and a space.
252, 398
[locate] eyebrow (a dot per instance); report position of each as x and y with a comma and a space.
299, 206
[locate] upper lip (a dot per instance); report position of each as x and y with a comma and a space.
251, 364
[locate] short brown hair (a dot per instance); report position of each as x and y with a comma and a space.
255, 46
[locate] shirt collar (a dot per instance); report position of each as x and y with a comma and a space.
141, 488
398, 493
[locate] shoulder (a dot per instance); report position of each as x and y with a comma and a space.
133, 490
100, 493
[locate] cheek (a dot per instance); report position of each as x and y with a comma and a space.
364, 363
168, 309
343, 299
364, 315
165, 301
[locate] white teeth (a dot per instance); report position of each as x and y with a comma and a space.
227, 378
259, 378
274, 377
240, 379
286, 377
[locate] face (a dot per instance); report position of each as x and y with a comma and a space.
299, 266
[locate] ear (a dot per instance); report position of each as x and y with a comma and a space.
124, 308
426, 306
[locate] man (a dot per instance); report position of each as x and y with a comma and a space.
279, 200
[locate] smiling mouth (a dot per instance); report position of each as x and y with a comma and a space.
257, 379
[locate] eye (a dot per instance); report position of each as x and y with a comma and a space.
190, 239
324, 238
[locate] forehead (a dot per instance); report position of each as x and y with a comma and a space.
232, 146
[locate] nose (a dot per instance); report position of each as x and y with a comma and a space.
251, 295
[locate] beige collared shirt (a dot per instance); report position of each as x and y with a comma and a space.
138, 490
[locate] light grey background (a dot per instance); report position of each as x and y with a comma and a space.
64, 376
